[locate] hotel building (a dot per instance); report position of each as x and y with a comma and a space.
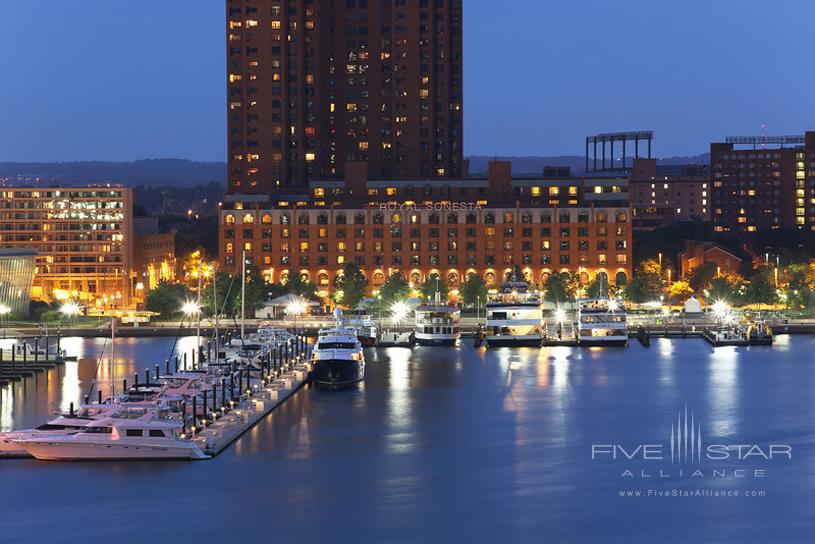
83, 238
763, 188
562, 224
662, 195
312, 86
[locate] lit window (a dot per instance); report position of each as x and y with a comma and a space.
310, 156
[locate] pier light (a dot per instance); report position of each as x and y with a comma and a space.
613, 305
70, 309
190, 307
296, 308
720, 308
399, 311
560, 315
4, 310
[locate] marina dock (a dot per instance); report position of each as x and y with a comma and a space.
253, 404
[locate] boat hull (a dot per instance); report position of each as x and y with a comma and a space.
436, 340
68, 451
337, 373
596, 342
367, 341
508, 342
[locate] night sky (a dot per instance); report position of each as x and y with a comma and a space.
131, 79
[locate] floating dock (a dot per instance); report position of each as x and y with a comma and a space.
254, 404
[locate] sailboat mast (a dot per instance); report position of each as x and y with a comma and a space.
112, 356
215, 309
243, 293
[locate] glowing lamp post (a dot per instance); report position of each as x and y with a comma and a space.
70, 309
399, 311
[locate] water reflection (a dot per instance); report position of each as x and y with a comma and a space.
723, 390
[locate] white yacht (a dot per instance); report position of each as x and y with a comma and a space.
514, 316
116, 439
60, 425
602, 322
338, 358
437, 324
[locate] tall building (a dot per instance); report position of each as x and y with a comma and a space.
661, 195
83, 237
580, 226
763, 187
315, 85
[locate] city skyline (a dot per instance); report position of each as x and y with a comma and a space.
706, 89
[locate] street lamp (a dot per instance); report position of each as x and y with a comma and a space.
70, 309
399, 311
4, 311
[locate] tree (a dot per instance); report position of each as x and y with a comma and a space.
473, 290
557, 289
394, 289
725, 287
350, 287
299, 284
516, 275
167, 299
761, 289
680, 291
434, 283
647, 283
799, 280
702, 275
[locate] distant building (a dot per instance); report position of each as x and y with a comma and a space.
661, 195
580, 226
83, 237
765, 187
697, 253
312, 86
16, 278
154, 258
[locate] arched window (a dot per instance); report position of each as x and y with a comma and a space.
452, 218
489, 218
229, 219
359, 219
248, 218
285, 219
378, 219
322, 219
266, 219
434, 219
396, 218
472, 218
303, 219
621, 278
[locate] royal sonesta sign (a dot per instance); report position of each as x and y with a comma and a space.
419, 206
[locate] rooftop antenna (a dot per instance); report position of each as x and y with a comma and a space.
763, 135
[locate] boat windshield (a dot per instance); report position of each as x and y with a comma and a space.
99, 430
336, 345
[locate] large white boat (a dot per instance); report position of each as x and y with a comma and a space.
437, 324
116, 439
338, 358
602, 322
514, 316
60, 425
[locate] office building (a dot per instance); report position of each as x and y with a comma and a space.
767, 186
662, 195
83, 237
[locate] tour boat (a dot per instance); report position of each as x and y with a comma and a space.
601, 322
514, 316
338, 358
367, 331
437, 325
116, 439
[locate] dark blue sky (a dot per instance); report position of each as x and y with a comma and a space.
130, 79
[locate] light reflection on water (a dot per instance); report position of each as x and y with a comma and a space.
443, 445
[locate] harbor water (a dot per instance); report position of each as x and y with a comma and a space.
444, 444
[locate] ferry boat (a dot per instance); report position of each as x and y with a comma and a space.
338, 358
514, 316
367, 331
437, 325
601, 322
